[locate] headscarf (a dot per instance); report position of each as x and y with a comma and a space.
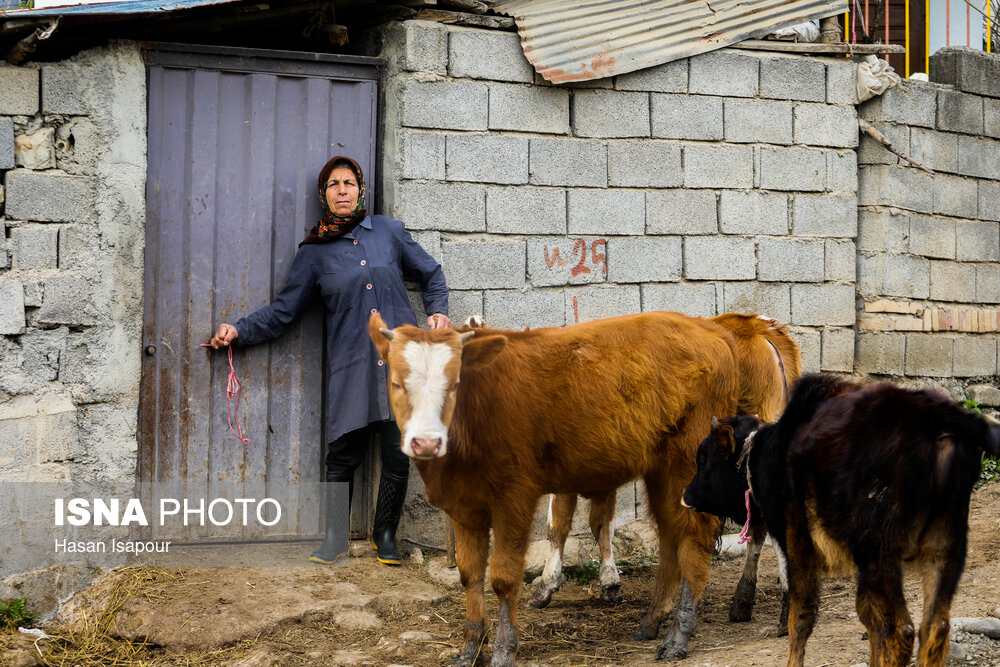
333, 226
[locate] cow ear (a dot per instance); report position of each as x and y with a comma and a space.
380, 335
481, 351
725, 437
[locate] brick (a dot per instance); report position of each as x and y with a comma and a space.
708, 166
590, 303
529, 108
613, 212
978, 157
20, 91
959, 112
991, 117
818, 305
753, 212
644, 164
35, 247
422, 154
568, 162
788, 260
670, 77
901, 187
767, 299
425, 46
681, 212
842, 171
988, 283
838, 350
825, 215
967, 69
446, 105
792, 169
696, 299
11, 307
449, 207
880, 353
989, 201
687, 117
954, 195
953, 281
429, 241
724, 73
826, 125
935, 150
487, 158
977, 242
809, 348
793, 78
719, 258
644, 259
929, 355
842, 82
49, 196
482, 54
558, 260
975, 356
758, 121
607, 113
873, 152
840, 261
932, 237
484, 264
505, 208
907, 277
916, 106
68, 299
516, 309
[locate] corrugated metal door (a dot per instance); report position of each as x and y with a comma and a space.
236, 138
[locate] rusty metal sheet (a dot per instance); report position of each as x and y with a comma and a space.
569, 40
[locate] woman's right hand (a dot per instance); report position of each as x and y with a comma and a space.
225, 335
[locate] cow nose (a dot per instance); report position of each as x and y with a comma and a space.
425, 446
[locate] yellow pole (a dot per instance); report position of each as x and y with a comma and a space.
989, 29
906, 4
927, 36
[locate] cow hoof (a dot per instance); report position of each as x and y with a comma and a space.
612, 593
783, 630
646, 631
740, 612
540, 599
502, 659
671, 652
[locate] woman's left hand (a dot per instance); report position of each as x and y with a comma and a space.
439, 321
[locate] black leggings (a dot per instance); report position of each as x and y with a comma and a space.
347, 452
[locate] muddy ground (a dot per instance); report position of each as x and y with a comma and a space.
370, 614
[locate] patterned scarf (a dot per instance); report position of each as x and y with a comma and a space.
333, 226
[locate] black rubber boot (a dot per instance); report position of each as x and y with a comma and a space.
388, 510
335, 548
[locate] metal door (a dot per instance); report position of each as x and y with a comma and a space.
236, 138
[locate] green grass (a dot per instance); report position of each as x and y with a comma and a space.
15, 614
589, 571
991, 465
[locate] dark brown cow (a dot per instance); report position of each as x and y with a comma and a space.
863, 479
496, 419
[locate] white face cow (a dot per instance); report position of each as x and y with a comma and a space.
424, 372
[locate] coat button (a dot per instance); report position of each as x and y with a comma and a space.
381, 363
363, 262
355, 242
368, 286
374, 310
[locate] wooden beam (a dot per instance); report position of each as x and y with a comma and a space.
473, 20
817, 47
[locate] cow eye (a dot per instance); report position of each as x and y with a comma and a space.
396, 385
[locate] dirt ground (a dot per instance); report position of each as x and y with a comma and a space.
370, 614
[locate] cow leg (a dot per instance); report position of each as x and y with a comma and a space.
511, 530
803, 594
561, 508
472, 548
668, 574
695, 558
783, 580
745, 597
940, 571
882, 609
602, 525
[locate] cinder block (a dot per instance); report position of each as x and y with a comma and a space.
987, 283
826, 125
448, 207
644, 164
758, 121
696, 299
516, 309
681, 212
954, 195
978, 157
818, 305
687, 117
842, 82
841, 261
644, 259
20, 91
880, 353
446, 105
64, 91
724, 73
610, 113
767, 299
977, 241
967, 69
989, 201
883, 230
423, 155
929, 355
487, 158
959, 112
787, 260
424, 44
906, 276
558, 260
793, 78
670, 77
505, 207
707, 166
935, 150
901, 187
607, 212
529, 108
753, 212
575, 162
792, 169
35, 247
11, 307
68, 299
916, 106
484, 264
487, 54
825, 215
809, 347
842, 171
953, 281
49, 196
838, 350
991, 117
6, 141
932, 237
463, 304
719, 258
975, 356
591, 303
873, 152
429, 241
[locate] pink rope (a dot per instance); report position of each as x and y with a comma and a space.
744, 534
232, 391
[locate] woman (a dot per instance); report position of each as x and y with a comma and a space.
358, 263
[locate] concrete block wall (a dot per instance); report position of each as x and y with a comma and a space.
929, 244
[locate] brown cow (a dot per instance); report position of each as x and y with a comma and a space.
580, 409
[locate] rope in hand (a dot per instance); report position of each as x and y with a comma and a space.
744, 534
232, 391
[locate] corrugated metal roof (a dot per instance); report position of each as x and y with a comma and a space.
121, 8
570, 40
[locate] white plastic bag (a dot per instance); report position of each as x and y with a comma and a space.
802, 32
875, 76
